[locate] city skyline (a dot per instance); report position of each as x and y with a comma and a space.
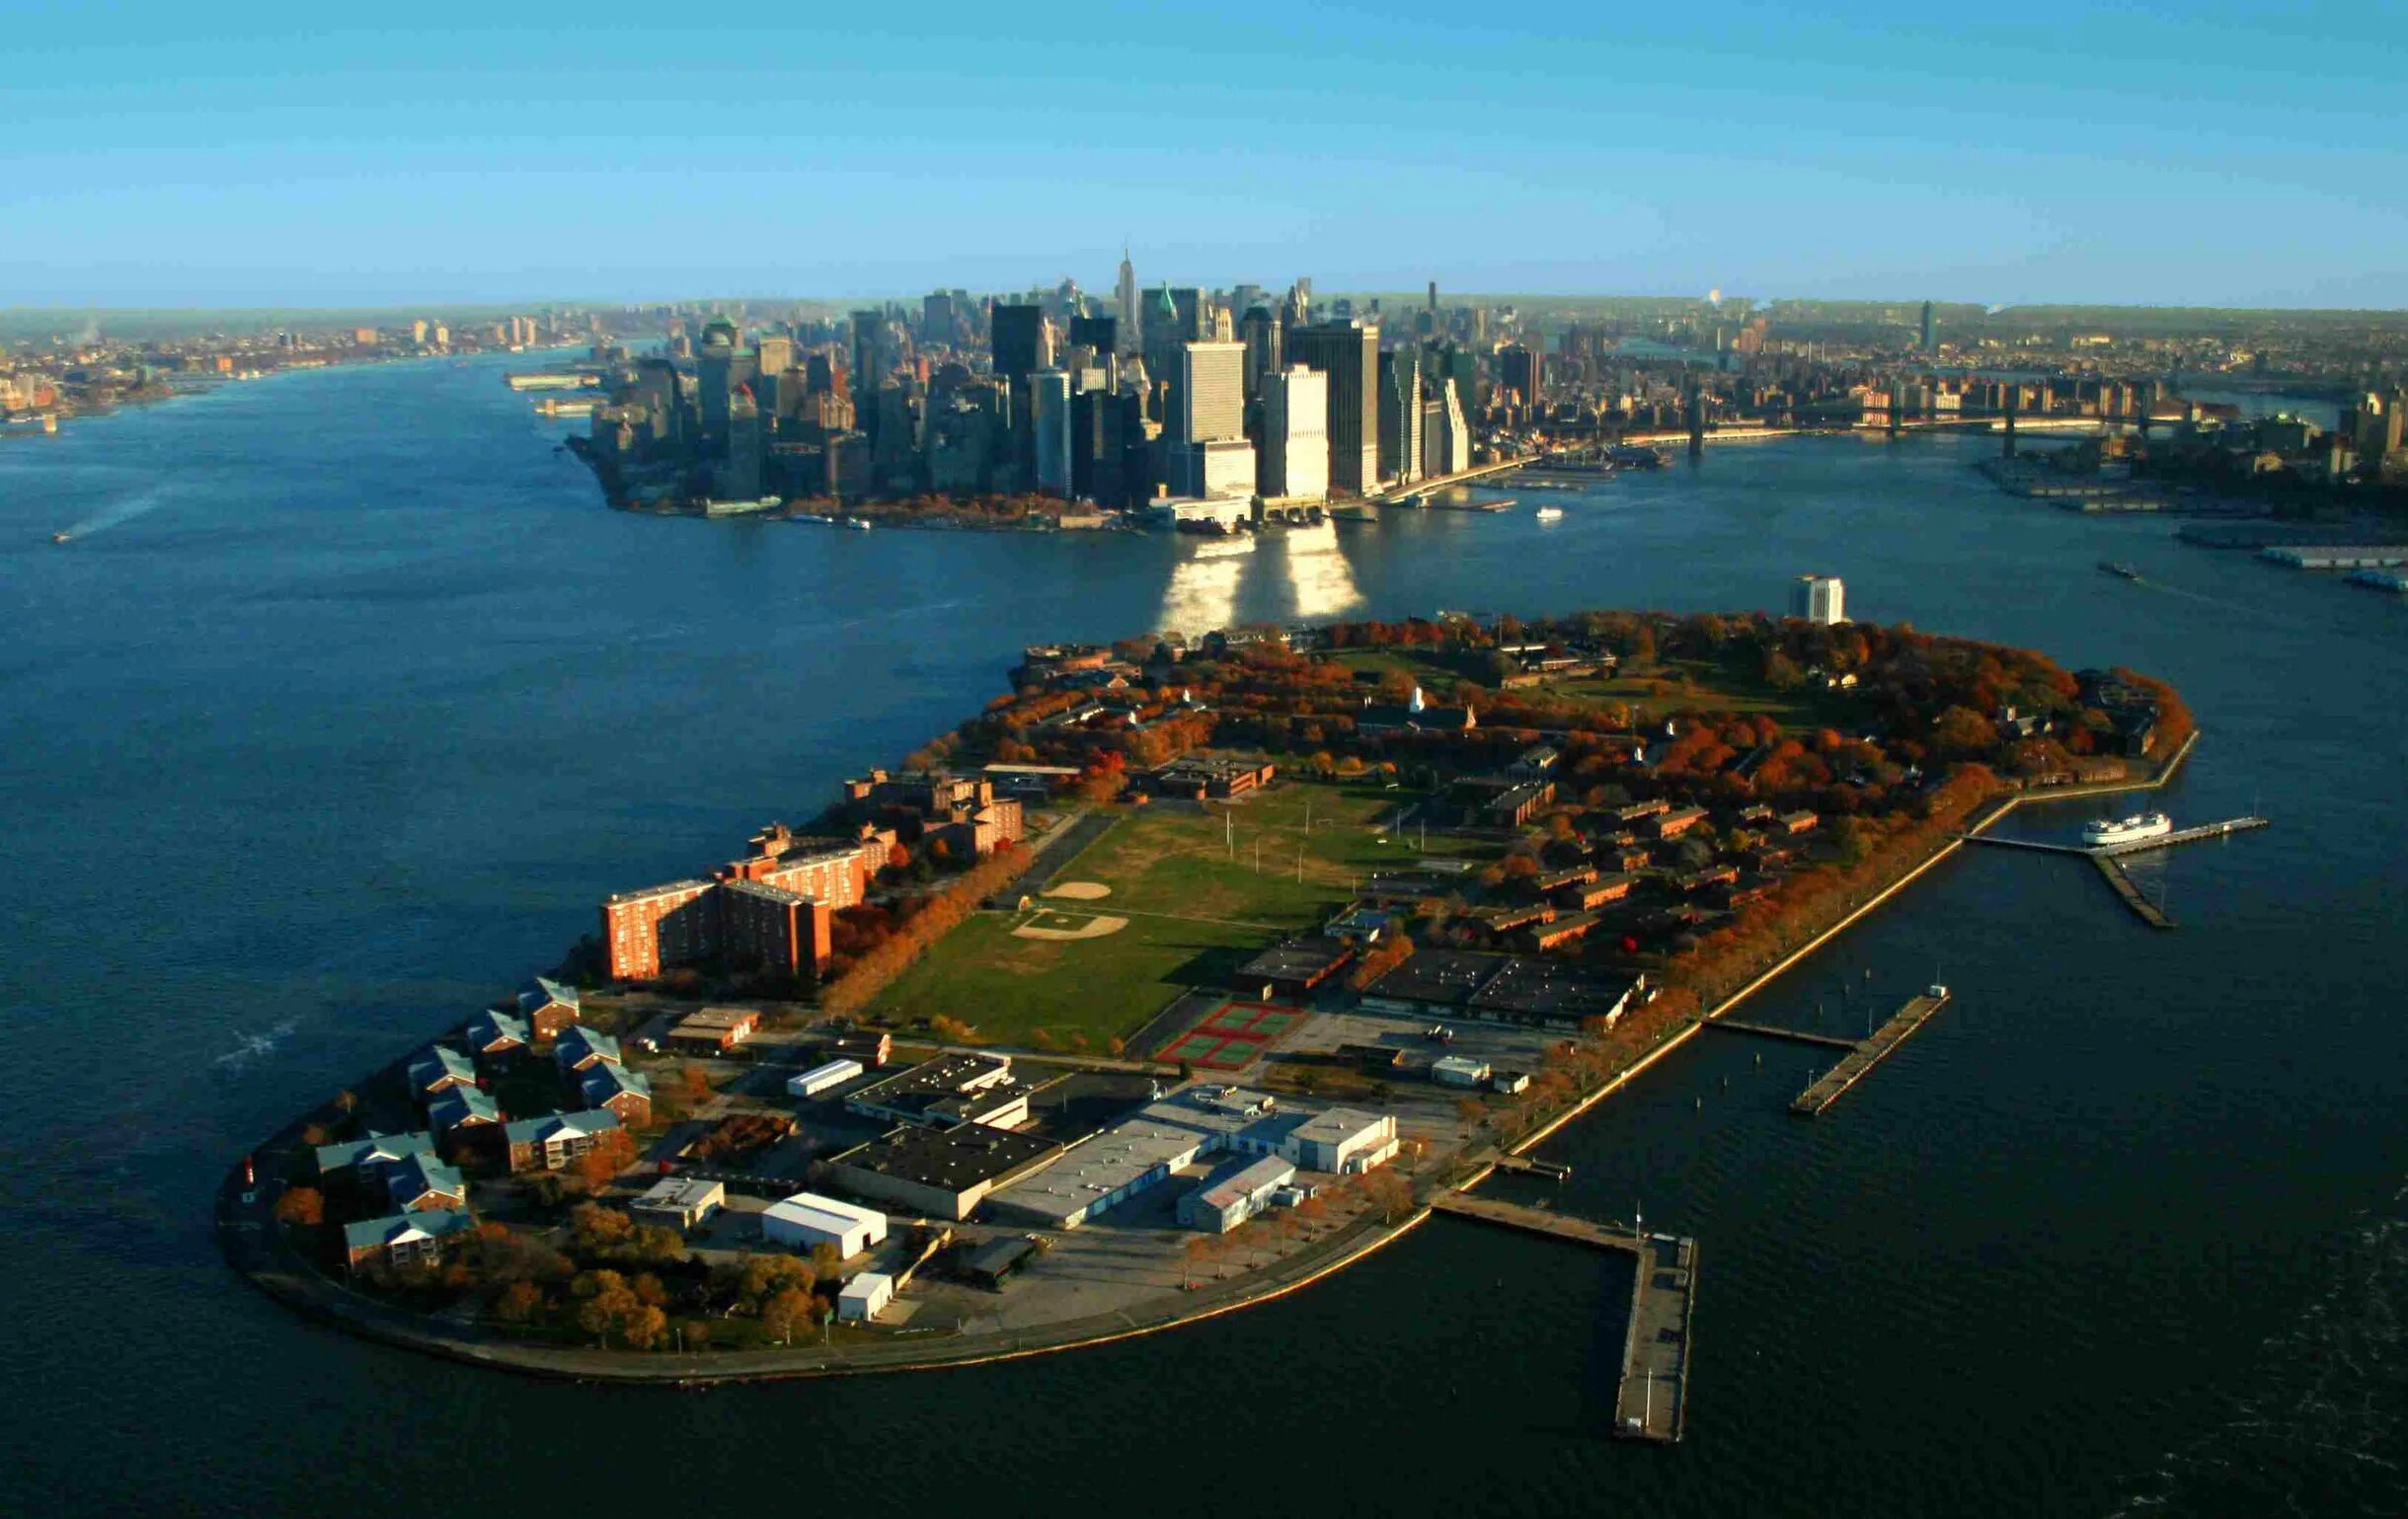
173, 160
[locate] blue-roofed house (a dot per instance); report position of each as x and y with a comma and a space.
620, 1090
439, 1068
404, 1238
581, 1048
372, 1152
498, 1035
419, 1183
554, 1140
462, 1107
548, 1007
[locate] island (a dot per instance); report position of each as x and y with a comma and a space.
1182, 974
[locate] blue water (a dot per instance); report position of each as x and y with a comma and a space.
347, 701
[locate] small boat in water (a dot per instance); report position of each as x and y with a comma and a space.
60, 537
2120, 570
1549, 513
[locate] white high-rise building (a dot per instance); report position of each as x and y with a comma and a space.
1819, 598
1049, 417
1455, 445
1208, 404
1295, 433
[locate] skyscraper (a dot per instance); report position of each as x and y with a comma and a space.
1454, 434
1349, 353
1018, 336
1519, 370
1101, 334
1400, 416
1049, 413
936, 317
1295, 457
1126, 291
1209, 402
1929, 346
1260, 333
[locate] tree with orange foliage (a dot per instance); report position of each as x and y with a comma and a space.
301, 1206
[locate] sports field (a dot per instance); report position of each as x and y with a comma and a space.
1232, 1037
1171, 896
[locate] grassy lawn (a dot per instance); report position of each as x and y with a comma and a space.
1733, 685
1193, 914
1095, 989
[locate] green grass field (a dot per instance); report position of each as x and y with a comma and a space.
1197, 907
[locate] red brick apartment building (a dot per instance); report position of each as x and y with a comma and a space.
772, 908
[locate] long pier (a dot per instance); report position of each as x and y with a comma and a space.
2109, 857
1524, 1166
1995, 842
2119, 880
1652, 1402
1775, 1032
1869, 1054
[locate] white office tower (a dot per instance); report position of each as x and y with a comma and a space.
1455, 445
1050, 414
1209, 402
1296, 433
1819, 598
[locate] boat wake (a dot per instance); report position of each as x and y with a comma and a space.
253, 1046
120, 512
2323, 1428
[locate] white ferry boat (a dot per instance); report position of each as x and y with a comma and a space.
2141, 825
1549, 513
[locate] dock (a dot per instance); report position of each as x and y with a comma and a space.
2228, 827
1652, 1402
1524, 1166
1995, 842
1774, 1031
2120, 883
1869, 1054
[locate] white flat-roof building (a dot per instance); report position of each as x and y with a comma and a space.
806, 1219
864, 1296
822, 1078
1459, 1071
1235, 1193
1343, 1140
680, 1202
1166, 1136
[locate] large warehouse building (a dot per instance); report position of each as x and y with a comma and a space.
806, 1219
1166, 1136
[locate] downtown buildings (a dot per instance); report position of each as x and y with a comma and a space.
1155, 394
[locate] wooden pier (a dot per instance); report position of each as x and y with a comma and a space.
1524, 1166
1995, 842
1868, 1053
2121, 881
1774, 1031
1652, 1402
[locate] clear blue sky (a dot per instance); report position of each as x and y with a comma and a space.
2211, 153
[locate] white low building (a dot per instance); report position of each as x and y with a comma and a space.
680, 1202
806, 1219
864, 1296
822, 1078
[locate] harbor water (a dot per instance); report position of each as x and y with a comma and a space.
347, 699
